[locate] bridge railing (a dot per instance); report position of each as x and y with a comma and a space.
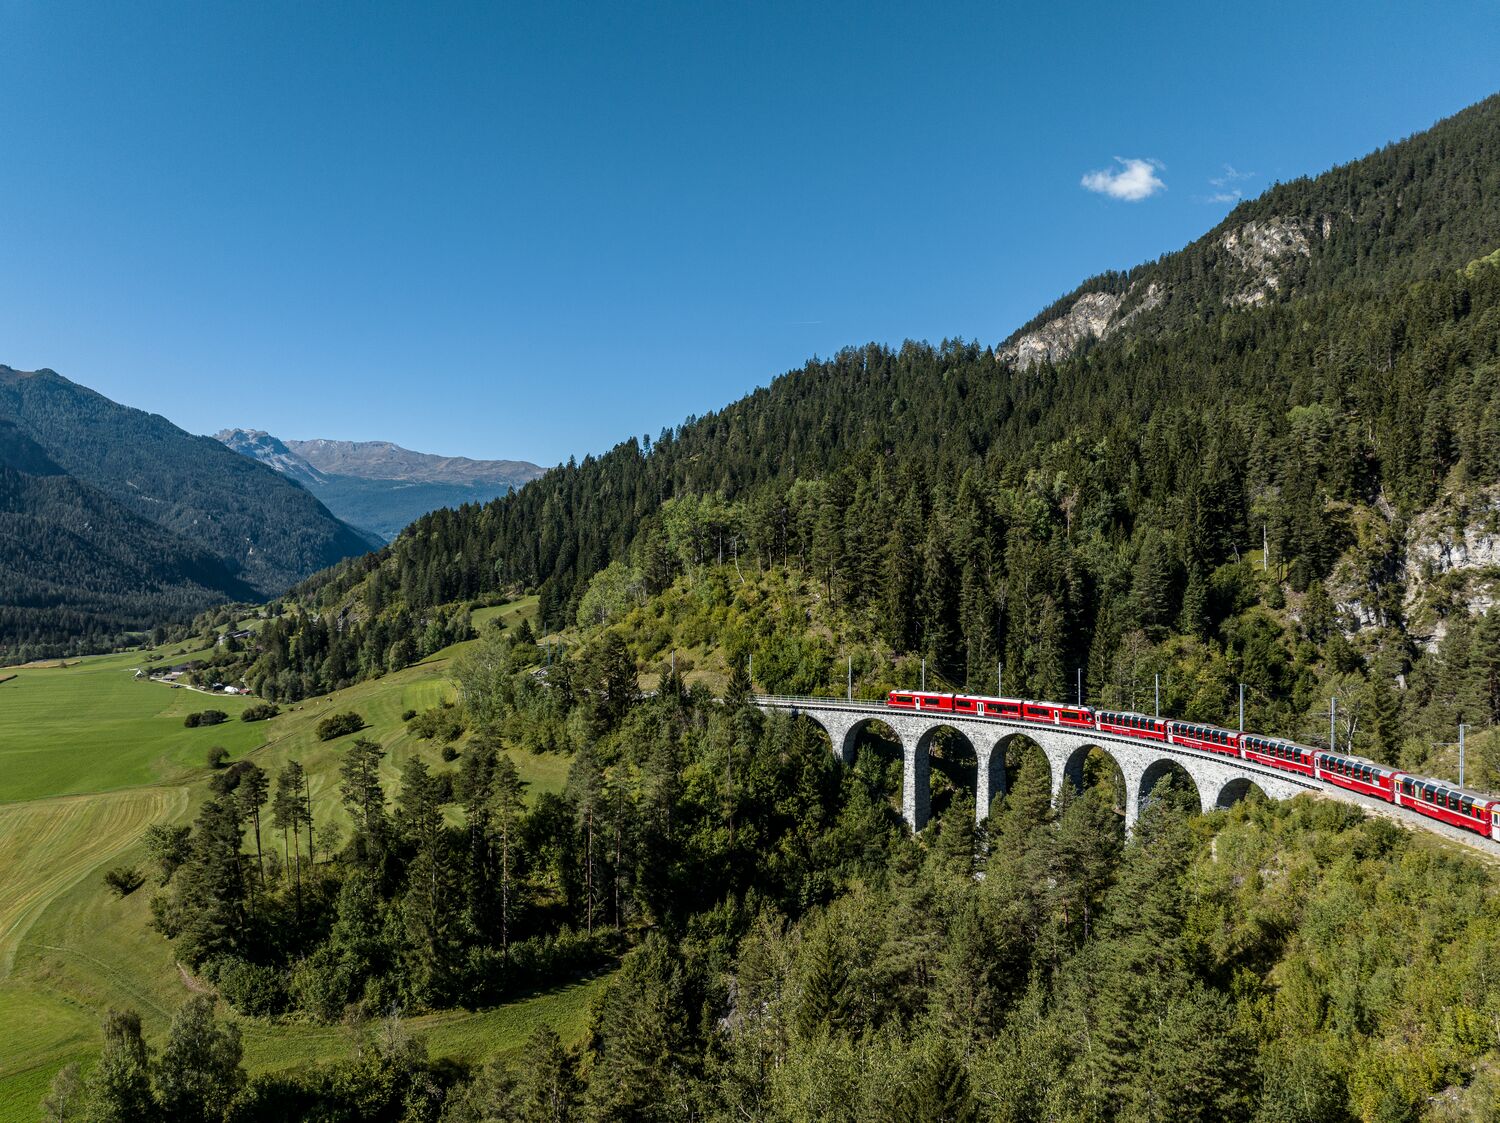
825, 703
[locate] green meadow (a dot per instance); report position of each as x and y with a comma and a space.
90, 757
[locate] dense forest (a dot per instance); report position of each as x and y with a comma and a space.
788, 951
1064, 515
1076, 537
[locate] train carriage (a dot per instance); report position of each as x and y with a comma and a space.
1131, 725
920, 700
1448, 804
1051, 713
1008, 708
1358, 775
1286, 755
1209, 738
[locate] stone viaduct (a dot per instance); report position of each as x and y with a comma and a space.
1219, 781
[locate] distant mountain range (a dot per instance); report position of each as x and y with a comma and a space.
113, 519
377, 485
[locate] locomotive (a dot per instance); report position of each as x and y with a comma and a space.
1436, 799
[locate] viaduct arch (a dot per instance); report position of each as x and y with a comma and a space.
1219, 782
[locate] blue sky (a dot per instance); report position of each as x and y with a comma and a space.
507, 230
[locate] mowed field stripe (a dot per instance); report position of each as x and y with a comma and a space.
47, 846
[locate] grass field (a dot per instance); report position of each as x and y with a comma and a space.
89, 757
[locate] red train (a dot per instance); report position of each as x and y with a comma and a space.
1438, 800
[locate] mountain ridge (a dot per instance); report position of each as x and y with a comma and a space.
380, 485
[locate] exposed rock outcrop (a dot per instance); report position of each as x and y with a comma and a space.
1452, 563
1261, 250
1094, 316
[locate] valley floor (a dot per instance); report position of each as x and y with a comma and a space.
89, 758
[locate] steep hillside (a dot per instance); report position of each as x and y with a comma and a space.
1416, 209
380, 486
116, 519
1312, 386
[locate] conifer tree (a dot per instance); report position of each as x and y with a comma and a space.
509, 805
365, 799
287, 813
253, 791
548, 1089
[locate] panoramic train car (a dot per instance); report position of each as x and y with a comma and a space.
1008, 708
1277, 753
1449, 804
1051, 713
1209, 738
1358, 775
920, 700
1131, 725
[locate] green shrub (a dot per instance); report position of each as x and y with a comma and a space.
205, 717
339, 725
260, 712
124, 880
217, 756
252, 988
442, 722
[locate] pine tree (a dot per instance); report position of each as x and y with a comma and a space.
509, 805
640, 1039
365, 799
549, 1089
476, 792
253, 791
211, 889
937, 1090
1088, 850
287, 812
430, 905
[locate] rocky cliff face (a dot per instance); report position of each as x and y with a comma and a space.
1261, 250
1445, 563
1452, 563
1093, 317
1255, 260
260, 445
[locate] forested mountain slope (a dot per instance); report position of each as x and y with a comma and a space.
983, 510
115, 519
75, 564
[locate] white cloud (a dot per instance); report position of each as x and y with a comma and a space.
1132, 181
1230, 175
1225, 196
